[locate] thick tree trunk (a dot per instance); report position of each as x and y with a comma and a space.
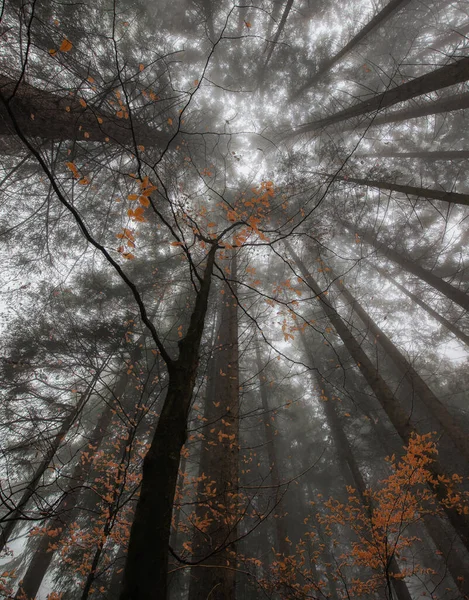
438, 410
377, 21
280, 525
213, 546
441, 106
428, 309
430, 156
390, 404
409, 190
456, 72
454, 294
12, 519
48, 116
145, 574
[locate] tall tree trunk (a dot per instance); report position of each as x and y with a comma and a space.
350, 470
437, 155
456, 72
448, 290
214, 575
438, 410
437, 107
428, 309
146, 567
43, 556
280, 528
280, 27
409, 190
377, 21
13, 518
390, 404
48, 116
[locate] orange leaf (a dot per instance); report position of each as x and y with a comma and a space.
170, 121
52, 52
82, 102
132, 197
177, 244
66, 45
144, 201
141, 67
128, 255
212, 224
248, 24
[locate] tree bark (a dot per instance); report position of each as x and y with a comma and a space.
456, 72
428, 309
409, 190
146, 567
445, 288
49, 116
377, 21
214, 548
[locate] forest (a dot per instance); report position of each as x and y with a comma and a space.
235, 291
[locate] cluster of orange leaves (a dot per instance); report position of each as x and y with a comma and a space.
379, 525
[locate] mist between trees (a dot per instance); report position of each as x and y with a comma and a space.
234, 305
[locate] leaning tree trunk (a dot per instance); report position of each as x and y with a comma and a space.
446, 289
377, 21
437, 107
456, 72
13, 518
350, 470
430, 156
390, 404
145, 573
42, 114
428, 309
213, 547
409, 190
438, 410
43, 556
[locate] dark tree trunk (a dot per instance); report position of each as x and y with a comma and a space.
214, 546
146, 567
409, 190
378, 20
430, 156
42, 558
280, 27
454, 294
428, 309
390, 404
48, 116
439, 411
456, 72
441, 106
280, 526
12, 519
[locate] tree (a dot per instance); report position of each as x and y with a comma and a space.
167, 237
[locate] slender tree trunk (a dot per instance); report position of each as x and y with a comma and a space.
390, 404
377, 21
42, 558
146, 568
212, 577
409, 190
351, 472
448, 290
428, 309
433, 404
13, 518
456, 72
437, 155
280, 527
280, 27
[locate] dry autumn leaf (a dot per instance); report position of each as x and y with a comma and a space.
66, 45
